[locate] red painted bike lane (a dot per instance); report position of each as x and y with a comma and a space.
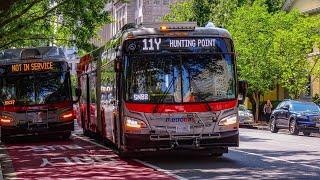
74, 159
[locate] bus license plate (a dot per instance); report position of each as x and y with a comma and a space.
35, 117
183, 128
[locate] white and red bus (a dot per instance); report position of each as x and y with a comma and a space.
35, 92
162, 87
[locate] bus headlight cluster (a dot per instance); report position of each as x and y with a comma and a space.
229, 120
134, 123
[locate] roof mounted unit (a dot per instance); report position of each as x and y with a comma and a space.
167, 26
30, 53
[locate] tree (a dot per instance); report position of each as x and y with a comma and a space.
253, 37
43, 22
294, 37
217, 11
180, 12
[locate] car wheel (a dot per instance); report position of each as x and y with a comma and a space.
305, 133
273, 126
293, 127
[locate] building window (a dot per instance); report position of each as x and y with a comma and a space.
157, 2
166, 2
70, 65
157, 19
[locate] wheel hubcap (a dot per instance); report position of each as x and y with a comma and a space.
272, 125
292, 127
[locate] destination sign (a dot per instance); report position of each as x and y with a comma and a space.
194, 44
37, 67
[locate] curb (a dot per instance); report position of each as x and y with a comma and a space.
263, 127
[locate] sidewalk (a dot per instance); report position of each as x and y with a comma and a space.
261, 126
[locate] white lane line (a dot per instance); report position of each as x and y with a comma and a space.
137, 160
274, 158
160, 169
1, 176
92, 142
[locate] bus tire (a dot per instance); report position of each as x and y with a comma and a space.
4, 139
216, 155
66, 135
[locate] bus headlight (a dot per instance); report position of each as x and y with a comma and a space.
134, 123
67, 116
5, 120
229, 120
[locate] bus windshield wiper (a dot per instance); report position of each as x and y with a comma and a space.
163, 95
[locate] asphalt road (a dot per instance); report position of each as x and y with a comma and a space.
261, 155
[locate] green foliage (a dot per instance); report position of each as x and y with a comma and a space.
217, 11
180, 12
74, 83
253, 37
44, 22
294, 37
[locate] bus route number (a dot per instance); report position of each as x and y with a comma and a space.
151, 44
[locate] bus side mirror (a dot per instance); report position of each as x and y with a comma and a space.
243, 89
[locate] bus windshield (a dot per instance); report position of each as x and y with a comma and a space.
180, 78
35, 89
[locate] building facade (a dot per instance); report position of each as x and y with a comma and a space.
134, 11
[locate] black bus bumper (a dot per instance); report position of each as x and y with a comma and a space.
35, 129
139, 142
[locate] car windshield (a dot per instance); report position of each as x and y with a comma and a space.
180, 78
34, 89
306, 107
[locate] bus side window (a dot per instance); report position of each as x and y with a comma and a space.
83, 86
108, 84
92, 87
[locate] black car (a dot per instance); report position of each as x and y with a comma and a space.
296, 116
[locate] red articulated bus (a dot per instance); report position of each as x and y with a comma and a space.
35, 94
162, 87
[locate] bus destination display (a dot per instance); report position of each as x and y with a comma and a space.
34, 67
178, 44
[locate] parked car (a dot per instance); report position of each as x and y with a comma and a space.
245, 116
296, 116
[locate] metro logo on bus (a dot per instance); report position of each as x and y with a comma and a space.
28, 67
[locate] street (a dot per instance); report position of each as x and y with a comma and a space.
261, 155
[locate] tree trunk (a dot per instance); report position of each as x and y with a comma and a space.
256, 98
255, 101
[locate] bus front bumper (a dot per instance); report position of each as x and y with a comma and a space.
26, 129
152, 142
